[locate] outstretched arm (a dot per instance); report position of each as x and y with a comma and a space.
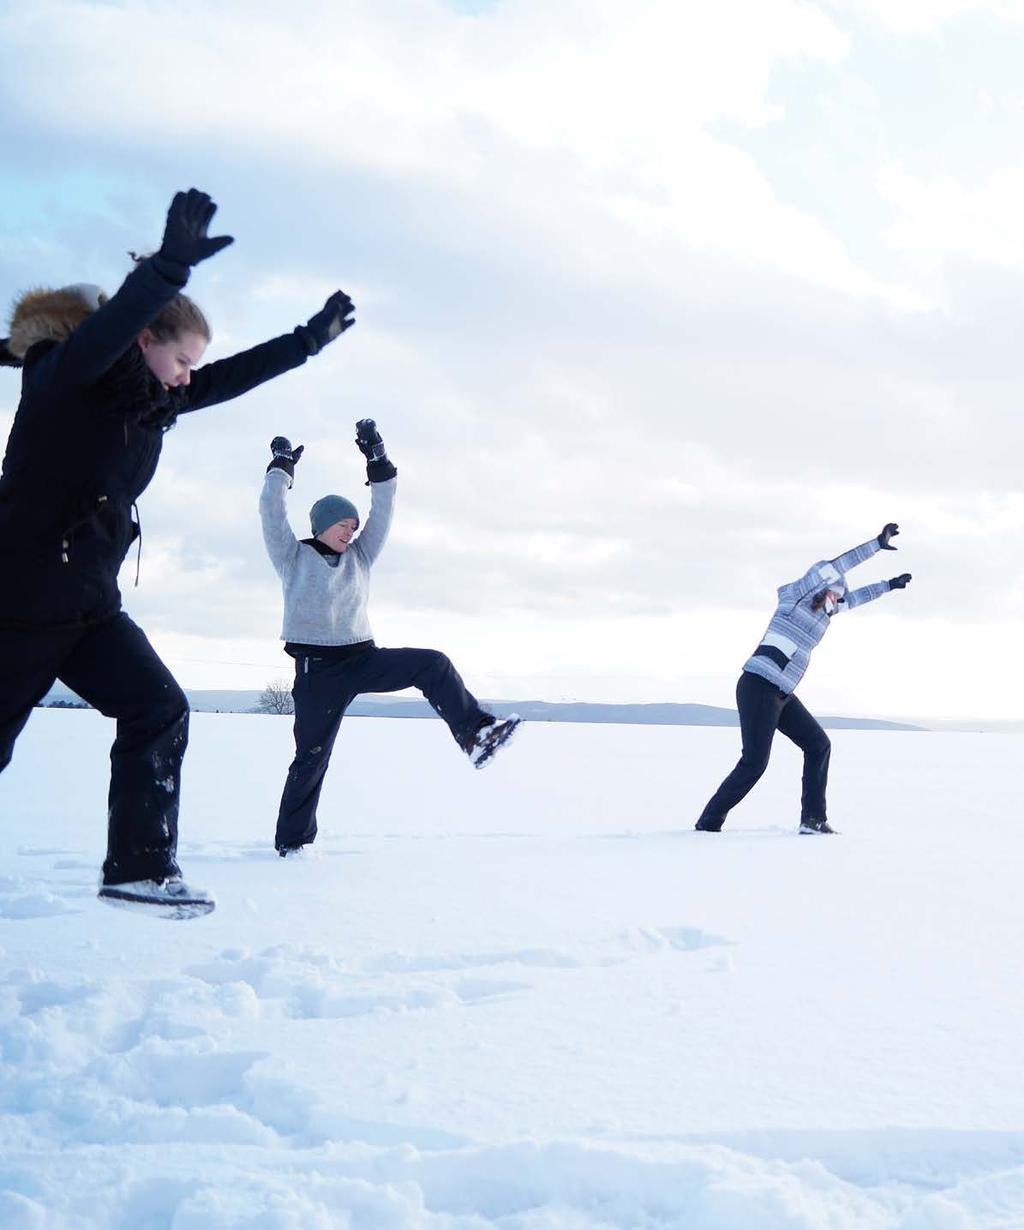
231, 377
228, 378
381, 476
856, 555
101, 339
281, 543
883, 542
820, 575
868, 593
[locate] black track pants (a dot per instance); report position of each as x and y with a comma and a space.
113, 666
763, 709
324, 689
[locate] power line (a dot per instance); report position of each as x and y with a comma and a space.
171, 657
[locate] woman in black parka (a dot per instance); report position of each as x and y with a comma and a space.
102, 381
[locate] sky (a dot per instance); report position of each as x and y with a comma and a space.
657, 304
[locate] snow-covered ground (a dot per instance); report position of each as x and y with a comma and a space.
530, 998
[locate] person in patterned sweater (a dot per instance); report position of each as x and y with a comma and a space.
764, 693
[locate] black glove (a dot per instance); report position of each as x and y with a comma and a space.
378, 468
285, 456
889, 532
900, 582
185, 240
330, 322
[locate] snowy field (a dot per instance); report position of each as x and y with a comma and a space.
529, 998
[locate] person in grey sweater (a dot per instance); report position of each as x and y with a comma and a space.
326, 584
764, 693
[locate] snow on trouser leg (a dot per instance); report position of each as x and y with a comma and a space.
322, 692
113, 667
296, 816
145, 782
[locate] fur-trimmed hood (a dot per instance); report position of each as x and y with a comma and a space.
50, 316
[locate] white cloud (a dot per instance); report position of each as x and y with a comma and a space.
921, 16
943, 217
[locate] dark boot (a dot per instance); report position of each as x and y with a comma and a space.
494, 734
811, 825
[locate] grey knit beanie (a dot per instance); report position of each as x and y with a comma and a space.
329, 510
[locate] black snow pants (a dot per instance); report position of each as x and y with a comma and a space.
763, 709
324, 689
112, 666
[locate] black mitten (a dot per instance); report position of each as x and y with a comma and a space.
330, 322
185, 241
378, 468
285, 456
900, 582
889, 532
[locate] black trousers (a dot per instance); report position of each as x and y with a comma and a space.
763, 709
324, 689
113, 666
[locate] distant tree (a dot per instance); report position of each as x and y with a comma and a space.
65, 704
276, 697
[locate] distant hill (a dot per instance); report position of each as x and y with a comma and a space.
663, 714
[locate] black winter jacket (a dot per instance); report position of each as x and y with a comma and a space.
85, 444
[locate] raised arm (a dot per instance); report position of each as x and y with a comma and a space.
107, 333
820, 575
883, 542
868, 593
382, 478
281, 543
228, 378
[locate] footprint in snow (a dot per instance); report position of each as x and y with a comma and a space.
44, 851
537, 958
23, 905
478, 990
642, 941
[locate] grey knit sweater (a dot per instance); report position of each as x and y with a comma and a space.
324, 599
796, 628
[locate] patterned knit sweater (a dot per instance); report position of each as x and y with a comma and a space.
324, 599
796, 627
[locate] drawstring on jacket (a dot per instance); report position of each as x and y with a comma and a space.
138, 557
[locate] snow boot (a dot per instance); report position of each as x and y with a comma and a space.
169, 898
708, 826
816, 826
496, 733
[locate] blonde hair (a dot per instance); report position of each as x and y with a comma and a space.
181, 315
